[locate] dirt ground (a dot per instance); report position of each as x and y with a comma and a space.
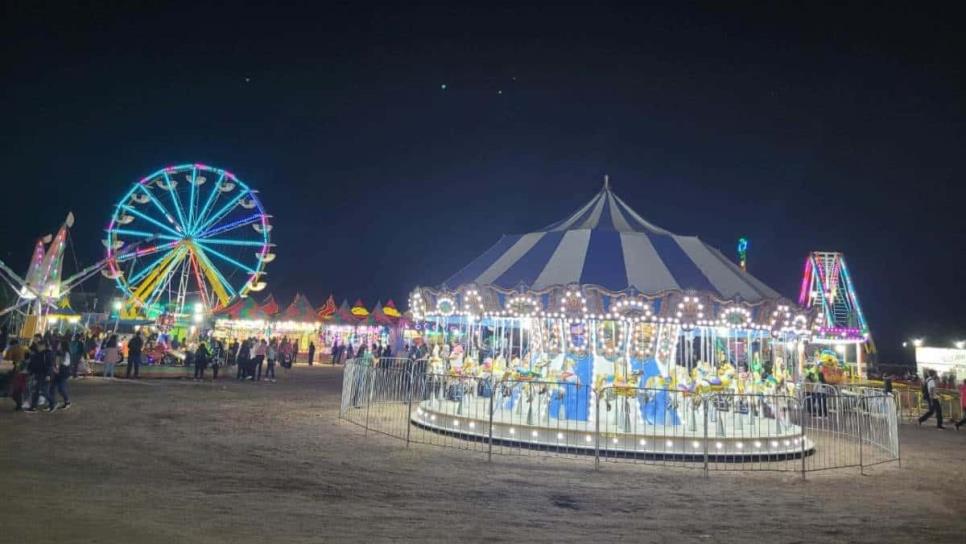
179, 461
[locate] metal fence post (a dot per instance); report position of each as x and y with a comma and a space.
801, 422
861, 435
597, 433
896, 432
409, 407
369, 373
704, 408
489, 440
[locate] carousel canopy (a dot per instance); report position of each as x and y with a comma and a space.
300, 310
607, 244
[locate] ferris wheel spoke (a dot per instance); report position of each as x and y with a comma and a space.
157, 204
143, 252
191, 199
231, 226
225, 210
145, 234
227, 242
147, 269
212, 197
165, 279
175, 200
218, 282
151, 220
157, 275
223, 257
201, 282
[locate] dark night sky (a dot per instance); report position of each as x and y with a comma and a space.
801, 128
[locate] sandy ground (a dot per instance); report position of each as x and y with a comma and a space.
178, 461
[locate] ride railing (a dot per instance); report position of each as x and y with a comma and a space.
821, 428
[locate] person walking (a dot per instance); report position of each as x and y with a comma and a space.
134, 346
241, 359
58, 380
201, 360
932, 398
962, 404
41, 366
311, 352
217, 356
17, 354
112, 356
261, 349
76, 354
271, 355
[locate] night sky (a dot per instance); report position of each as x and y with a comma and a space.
801, 128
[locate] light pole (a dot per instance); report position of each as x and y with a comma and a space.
117, 305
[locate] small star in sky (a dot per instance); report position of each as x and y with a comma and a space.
248, 80
500, 91
443, 87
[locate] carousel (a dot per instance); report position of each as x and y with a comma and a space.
605, 321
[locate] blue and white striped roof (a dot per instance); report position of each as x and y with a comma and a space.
607, 244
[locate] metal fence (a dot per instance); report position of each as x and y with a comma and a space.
820, 428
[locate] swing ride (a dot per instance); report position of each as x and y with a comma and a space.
204, 237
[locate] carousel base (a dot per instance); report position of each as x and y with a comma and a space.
651, 441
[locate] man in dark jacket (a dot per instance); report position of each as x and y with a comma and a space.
41, 366
134, 346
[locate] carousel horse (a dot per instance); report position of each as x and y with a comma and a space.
657, 409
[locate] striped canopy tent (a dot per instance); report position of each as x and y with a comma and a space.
605, 252
270, 306
327, 311
359, 310
379, 316
391, 311
244, 308
300, 310
344, 314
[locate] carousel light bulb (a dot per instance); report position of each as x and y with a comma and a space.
456, 423
718, 445
513, 431
643, 442
757, 444
614, 440
560, 436
534, 434
669, 443
774, 443
739, 445
695, 444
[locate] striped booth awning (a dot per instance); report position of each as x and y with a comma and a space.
607, 244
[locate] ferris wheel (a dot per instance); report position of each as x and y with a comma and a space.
188, 234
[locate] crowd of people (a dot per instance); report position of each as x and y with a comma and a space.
41, 370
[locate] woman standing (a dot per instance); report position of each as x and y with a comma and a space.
58, 381
272, 355
112, 356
